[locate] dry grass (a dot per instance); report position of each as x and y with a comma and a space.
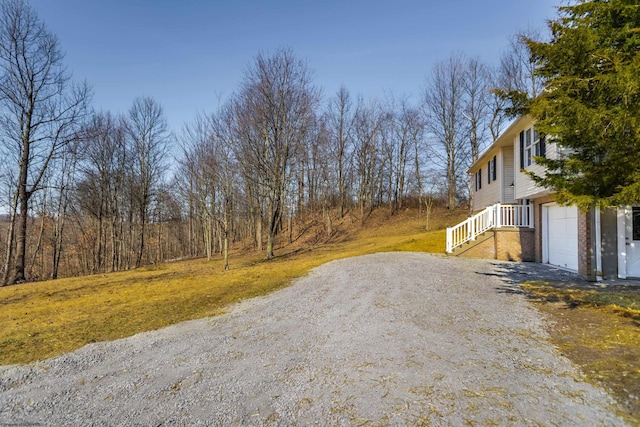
600, 331
45, 319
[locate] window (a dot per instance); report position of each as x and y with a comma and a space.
492, 170
479, 180
635, 223
531, 145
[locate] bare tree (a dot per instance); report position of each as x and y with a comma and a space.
274, 109
340, 119
367, 133
61, 195
389, 152
517, 79
324, 172
209, 167
149, 133
316, 161
407, 124
223, 138
198, 168
476, 107
99, 193
444, 108
419, 148
41, 109
497, 103
10, 197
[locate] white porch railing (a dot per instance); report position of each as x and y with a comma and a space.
495, 216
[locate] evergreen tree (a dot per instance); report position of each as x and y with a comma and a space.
591, 102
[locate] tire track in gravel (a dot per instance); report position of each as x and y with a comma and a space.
383, 339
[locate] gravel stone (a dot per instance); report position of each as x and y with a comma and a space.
383, 339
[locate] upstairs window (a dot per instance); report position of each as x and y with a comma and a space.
478, 180
492, 170
531, 145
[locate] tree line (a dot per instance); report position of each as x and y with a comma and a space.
87, 192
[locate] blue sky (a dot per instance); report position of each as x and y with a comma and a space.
190, 54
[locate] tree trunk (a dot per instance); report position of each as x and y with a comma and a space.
21, 237
225, 248
38, 247
143, 225
270, 240
326, 210
10, 242
273, 227
23, 198
99, 255
451, 184
452, 193
418, 177
428, 204
208, 234
258, 220
57, 244
115, 249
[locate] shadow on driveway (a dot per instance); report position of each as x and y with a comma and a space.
515, 273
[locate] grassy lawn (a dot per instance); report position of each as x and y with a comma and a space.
44, 319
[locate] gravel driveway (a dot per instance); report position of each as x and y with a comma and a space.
384, 339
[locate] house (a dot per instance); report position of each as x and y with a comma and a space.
515, 219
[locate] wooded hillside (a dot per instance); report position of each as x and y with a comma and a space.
84, 192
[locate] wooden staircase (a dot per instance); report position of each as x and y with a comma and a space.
474, 230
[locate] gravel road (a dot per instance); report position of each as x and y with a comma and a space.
384, 339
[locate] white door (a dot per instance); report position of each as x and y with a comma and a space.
560, 236
632, 241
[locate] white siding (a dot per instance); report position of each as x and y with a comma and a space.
508, 175
489, 194
525, 188
552, 150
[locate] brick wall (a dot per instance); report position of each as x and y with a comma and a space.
586, 255
515, 244
507, 244
484, 247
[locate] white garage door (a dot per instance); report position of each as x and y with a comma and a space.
560, 225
